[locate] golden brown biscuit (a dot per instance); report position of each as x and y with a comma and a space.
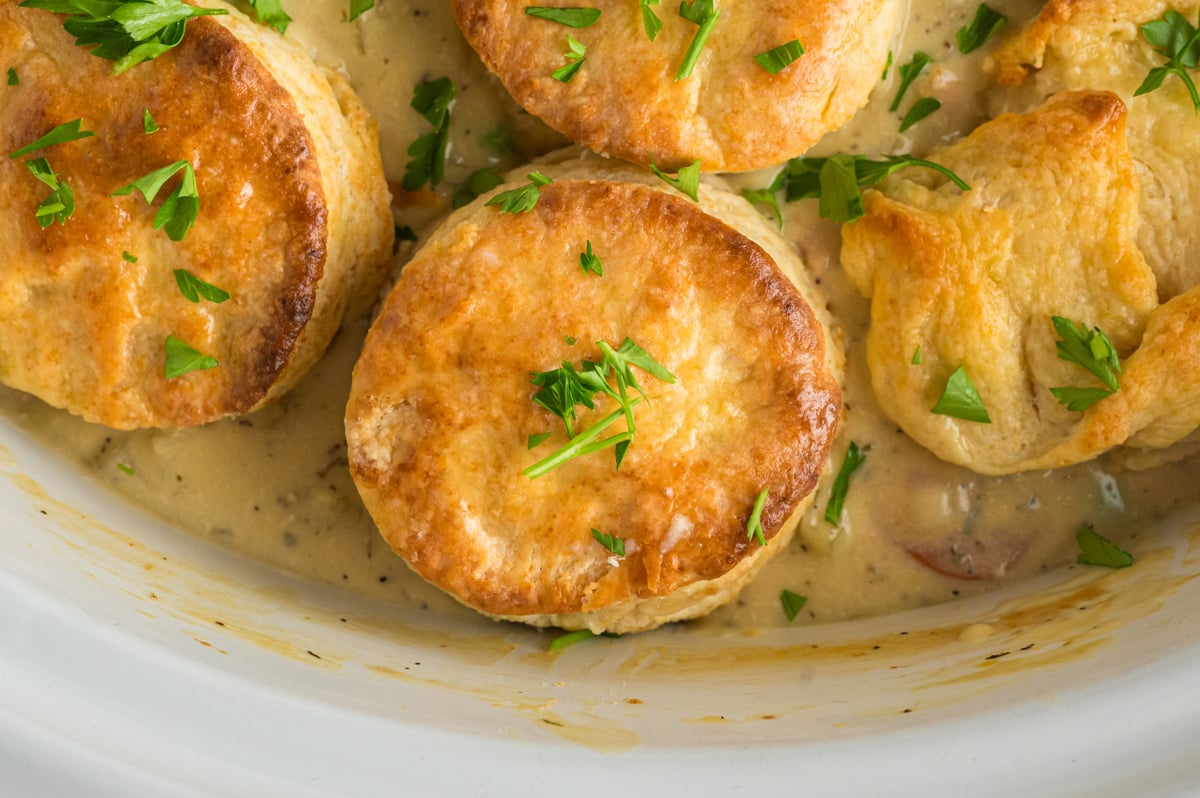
1097, 45
973, 279
293, 222
730, 113
440, 409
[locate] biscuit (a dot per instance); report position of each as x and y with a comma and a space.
731, 113
294, 221
440, 409
1097, 45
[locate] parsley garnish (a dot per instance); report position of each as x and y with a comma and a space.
537, 440
560, 391
124, 469
1176, 39
129, 256
908, 73
916, 358
702, 13
754, 530
564, 640
192, 288
792, 604
1095, 549
919, 110
127, 32
480, 182
837, 180
405, 233
67, 131
887, 67
591, 263
982, 28
59, 205
780, 58
576, 54
1092, 350
766, 196
183, 359
611, 542
572, 17
270, 12
357, 7
841, 484
523, 199
961, 400
148, 124
178, 211
687, 180
431, 100
649, 19
13, 80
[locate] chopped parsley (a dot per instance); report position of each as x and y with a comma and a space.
178, 211
126, 32
572, 17
13, 79
125, 469
650, 20
611, 542
983, 27
67, 131
59, 205
766, 196
1092, 350
887, 67
590, 262
687, 180
480, 182
780, 58
537, 440
916, 358
792, 604
427, 154
908, 73
1095, 549
961, 399
1177, 40
148, 124
703, 14
576, 54
754, 529
183, 359
129, 256
192, 288
522, 199
919, 110
270, 12
570, 638
357, 7
841, 484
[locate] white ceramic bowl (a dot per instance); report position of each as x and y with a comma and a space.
139, 661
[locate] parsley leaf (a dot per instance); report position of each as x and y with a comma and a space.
813, 178
357, 7
192, 288
537, 440
702, 13
961, 400
916, 358
125, 469
523, 199
183, 359
610, 542
178, 211
67, 131
687, 180
270, 12
1179, 42
792, 604
148, 124
982, 28
650, 20
13, 79
754, 530
129, 257
126, 32
780, 58
59, 205
841, 485
765, 196
1088, 348
1095, 549
427, 164
480, 182
908, 73
572, 17
575, 55
590, 262
1079, 399
919, 110
570, 638
887, 67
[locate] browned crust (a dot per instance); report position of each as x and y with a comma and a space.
731, 113
261, 233
440, 406
1025, 52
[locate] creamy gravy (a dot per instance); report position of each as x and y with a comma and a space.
275, 485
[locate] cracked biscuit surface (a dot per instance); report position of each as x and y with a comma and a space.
440, 410
293, 222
